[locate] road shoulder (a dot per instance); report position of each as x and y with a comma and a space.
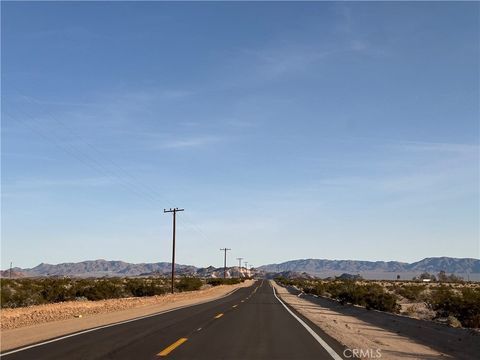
356, 332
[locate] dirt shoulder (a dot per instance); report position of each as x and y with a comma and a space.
32, 324
397, 337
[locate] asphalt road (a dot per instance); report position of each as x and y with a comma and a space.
249, 324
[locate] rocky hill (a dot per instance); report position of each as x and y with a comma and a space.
322, 266
467, 267
100, 268
447, 264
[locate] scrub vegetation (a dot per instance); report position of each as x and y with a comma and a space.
35, 291
454, 303
226, 281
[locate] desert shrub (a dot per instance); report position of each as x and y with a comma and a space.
470, 310
26, 292
442, 300
369, 295
222, 281
443, 277
6, 294
188, 284
315, 288
382, 301
101, 290
57, 290
14, 295
463, 305
410, 292
22, 292
287, 282
144, 287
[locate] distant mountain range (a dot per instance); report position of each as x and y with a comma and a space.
313, 267
100, 268
432, 265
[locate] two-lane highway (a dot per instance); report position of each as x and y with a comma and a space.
251, 323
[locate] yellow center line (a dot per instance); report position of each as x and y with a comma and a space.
172, 347
218, 316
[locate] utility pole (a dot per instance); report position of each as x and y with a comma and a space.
225, 262
174, 211
239, 267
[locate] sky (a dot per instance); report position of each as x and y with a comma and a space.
330, 130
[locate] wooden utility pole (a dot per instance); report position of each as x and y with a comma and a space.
225, 262
174, 211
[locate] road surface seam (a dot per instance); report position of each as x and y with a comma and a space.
322, 342
114, 324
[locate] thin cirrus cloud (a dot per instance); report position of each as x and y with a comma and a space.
271, 63
466, 149
187, 142
66, 182
414, 172
277, 61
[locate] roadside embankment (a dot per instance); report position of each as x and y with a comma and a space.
22, 326
394, 336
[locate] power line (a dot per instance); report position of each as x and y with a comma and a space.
225, 262
84, 158
120, 174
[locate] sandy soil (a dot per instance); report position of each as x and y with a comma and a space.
397, 337
32, 324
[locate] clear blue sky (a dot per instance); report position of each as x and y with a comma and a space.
286, 131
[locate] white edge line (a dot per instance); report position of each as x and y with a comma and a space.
322, 342
110, 325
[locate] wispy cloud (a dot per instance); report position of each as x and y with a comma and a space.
406, 174
239, 123
275, 61
281, 61
17, 97
434, 147
188, 142
147, 96
44, 182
